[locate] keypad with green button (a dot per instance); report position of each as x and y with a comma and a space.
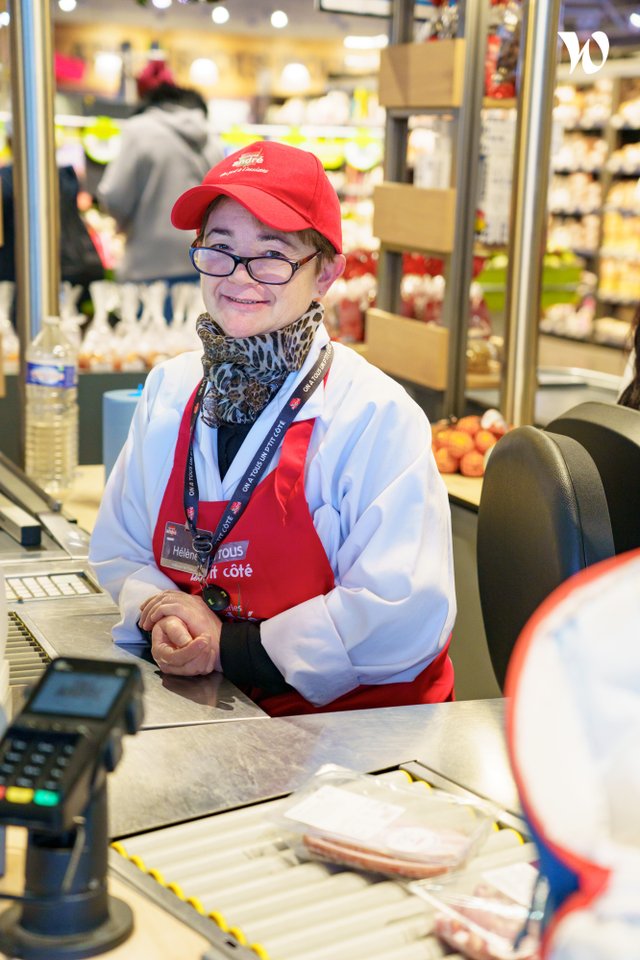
34, 770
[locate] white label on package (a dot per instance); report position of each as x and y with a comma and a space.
345, 812
433, 843
516, 880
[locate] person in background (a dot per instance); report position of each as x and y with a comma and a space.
80, 262
280, 519
166, 148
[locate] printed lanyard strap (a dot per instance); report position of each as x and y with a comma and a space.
204, 543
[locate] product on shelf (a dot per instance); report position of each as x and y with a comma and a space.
625, 160
579, 234
617, 333
576, 193
567, 320
503, 45
627, 114
624, 196
580, 152
587, 108
619, 280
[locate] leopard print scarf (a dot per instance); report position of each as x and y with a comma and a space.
244, 373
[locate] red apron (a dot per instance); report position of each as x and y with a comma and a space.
275, 561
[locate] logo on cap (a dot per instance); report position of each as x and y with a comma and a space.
248, 159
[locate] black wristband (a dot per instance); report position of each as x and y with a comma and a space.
246, 662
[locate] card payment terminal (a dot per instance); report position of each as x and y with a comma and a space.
54, 759
73, 720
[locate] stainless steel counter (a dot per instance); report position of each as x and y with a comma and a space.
186, 772
168, 701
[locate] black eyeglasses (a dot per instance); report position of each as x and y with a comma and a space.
219, 263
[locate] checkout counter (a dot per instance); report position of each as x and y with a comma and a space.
193, 852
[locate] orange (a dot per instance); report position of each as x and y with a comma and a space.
472, 464
441, 438
484, 439
469, 424
458, 443
445, 462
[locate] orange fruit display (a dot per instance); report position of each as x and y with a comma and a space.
463, 446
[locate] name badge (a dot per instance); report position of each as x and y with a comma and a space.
177, 549
178, 552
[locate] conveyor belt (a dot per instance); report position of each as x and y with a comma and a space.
27, 659
236, 869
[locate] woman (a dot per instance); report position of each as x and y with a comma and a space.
280, 519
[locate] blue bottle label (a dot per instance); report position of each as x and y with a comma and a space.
52, 375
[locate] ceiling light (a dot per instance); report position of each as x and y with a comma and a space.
219, 14
366, 43
203, 72
634, 20
162, 4
367, 62
279, 19
295, 78
67, 5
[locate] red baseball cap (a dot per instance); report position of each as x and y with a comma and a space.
282, 186
155, 73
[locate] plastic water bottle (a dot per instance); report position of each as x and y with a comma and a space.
51, 454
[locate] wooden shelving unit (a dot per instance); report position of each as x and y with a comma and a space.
426, 78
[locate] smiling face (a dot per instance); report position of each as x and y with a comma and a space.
244, 307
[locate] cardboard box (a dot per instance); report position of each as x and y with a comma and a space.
413, 218
409, 349
422, 75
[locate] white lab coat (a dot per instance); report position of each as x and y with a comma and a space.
377, 501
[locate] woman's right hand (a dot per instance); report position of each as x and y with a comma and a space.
177, 652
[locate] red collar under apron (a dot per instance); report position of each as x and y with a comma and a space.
272, 560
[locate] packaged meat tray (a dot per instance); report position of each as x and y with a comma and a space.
399, 830
487, 916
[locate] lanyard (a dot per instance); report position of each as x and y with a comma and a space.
205, 543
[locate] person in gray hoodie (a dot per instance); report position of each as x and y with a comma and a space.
166, 148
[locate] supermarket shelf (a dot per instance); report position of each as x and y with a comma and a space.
492, 103
591, 341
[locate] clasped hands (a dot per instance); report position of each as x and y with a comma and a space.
185, 633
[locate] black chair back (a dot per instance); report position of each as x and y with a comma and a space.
611, 435
542, 517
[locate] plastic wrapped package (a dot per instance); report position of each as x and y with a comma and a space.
360, 821
488, 915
